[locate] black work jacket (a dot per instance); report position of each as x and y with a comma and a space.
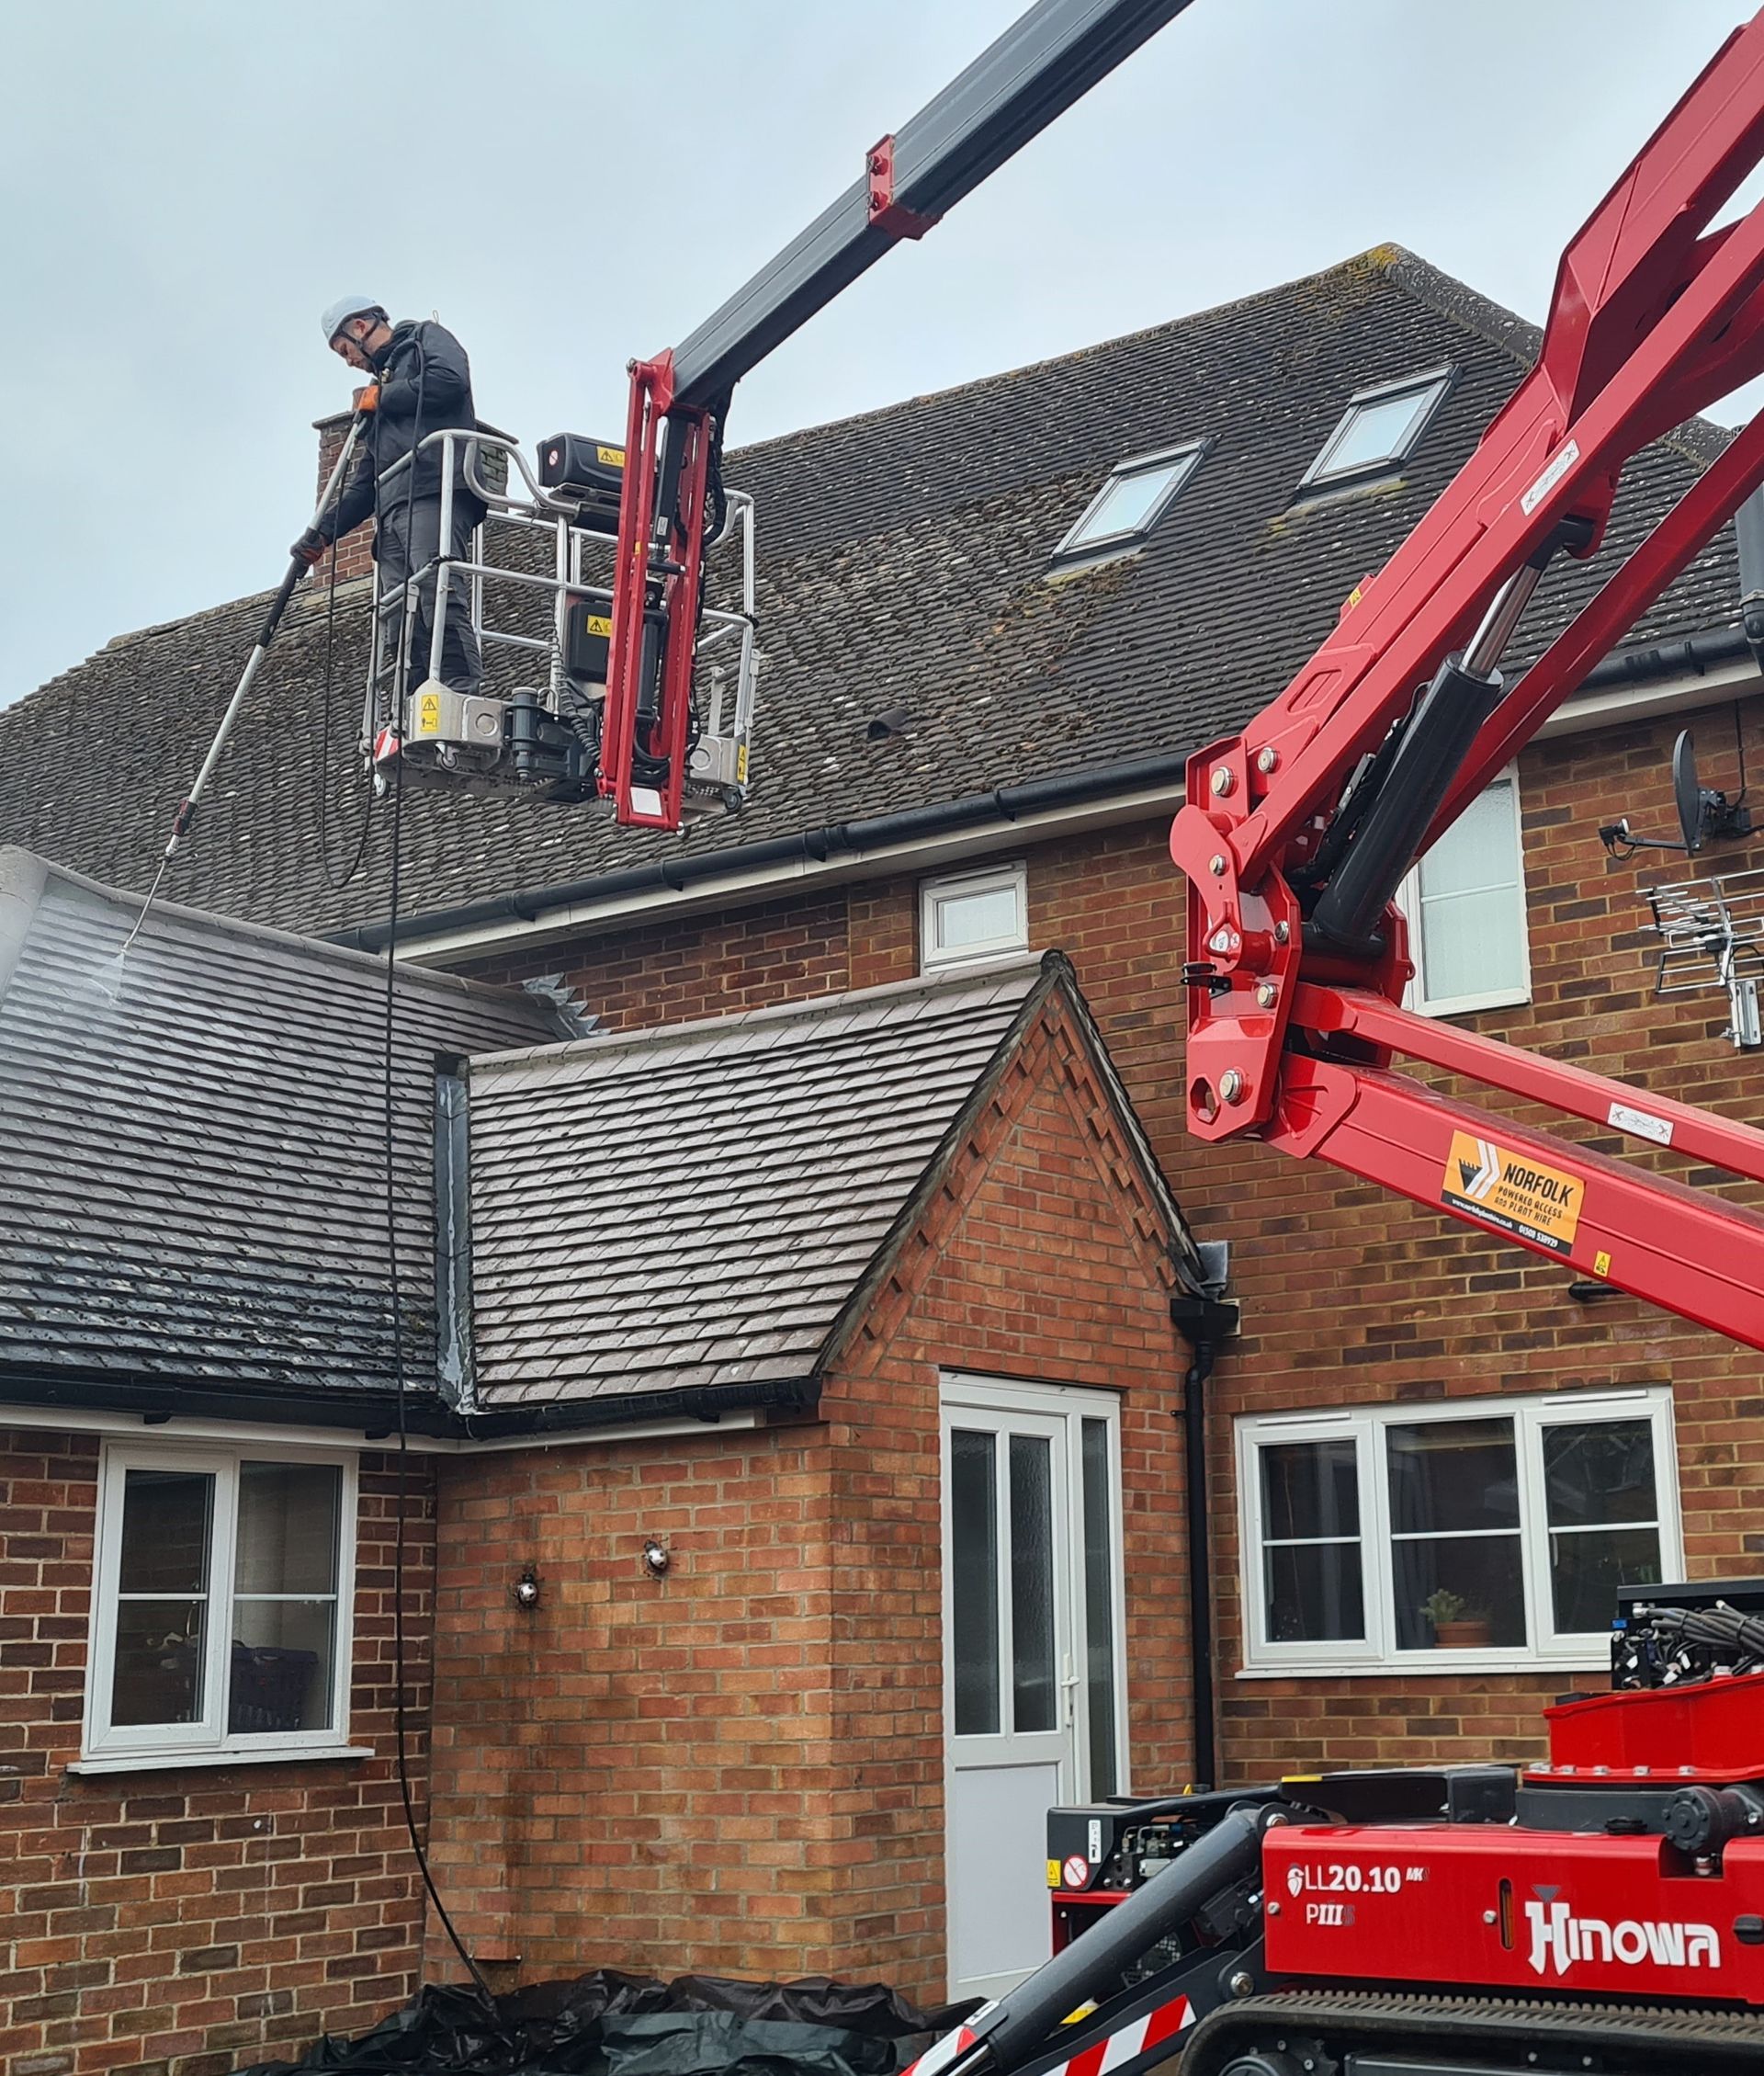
418, 359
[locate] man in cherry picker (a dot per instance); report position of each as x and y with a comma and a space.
422, 383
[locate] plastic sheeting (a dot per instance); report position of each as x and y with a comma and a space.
610, 2024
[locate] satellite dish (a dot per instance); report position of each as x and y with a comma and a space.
1686, 792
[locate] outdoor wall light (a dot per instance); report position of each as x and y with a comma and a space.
655, 1559
526, 1589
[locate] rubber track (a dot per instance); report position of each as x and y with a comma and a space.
1648, 2039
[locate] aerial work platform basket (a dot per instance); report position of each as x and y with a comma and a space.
536, 584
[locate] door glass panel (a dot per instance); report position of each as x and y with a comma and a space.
1099, 1606
1034, 1691
162, 1587
974, 1580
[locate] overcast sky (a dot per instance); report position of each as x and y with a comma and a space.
184, 185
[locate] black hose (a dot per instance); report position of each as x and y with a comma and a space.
389, 1108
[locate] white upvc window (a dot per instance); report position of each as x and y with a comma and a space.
221, 1603
1379, 430
1466, 1535
973, 915
1465, 904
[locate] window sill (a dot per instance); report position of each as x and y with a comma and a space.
163, 1762
1428, 1664
1473, 1004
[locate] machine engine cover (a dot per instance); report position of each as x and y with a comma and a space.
591, 471
1485, 1905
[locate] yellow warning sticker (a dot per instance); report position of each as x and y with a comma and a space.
614, 457
428, 714
1053, 1874
1513, 1192
597, 623
1601, 1262
740, 764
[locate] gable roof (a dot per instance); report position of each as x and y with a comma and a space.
904, 564
194, 1203
698, 1212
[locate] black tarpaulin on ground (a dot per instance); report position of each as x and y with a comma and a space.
610, 2024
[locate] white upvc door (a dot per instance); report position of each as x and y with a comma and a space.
1033, 1707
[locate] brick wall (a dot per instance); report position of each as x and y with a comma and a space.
186, 1921
1351, 1294
355, 550
740, 1767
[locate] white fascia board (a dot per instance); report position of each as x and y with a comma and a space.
70, 1420
1602, 708
1609, 706
661, 903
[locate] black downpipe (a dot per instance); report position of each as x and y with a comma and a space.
1434, 746
1204, 1322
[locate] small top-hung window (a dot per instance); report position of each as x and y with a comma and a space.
1136, 495
1381, 427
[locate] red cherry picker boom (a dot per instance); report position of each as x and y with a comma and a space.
1603, 1911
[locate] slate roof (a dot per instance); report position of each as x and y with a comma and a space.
194, 1203
904, 564
699, 1210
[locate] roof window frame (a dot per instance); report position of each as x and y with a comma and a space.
1075, 547
1441, 378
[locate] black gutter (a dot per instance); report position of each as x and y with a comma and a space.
1690, 658
834, 840
154, 1399
1006, 804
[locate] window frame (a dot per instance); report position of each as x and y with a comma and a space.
209, 1739
1439, 379
1013, 876
1376, 1652
1077, 546
1410, 899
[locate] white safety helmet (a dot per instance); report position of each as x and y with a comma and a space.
339, 314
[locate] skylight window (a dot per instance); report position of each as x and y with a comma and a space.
1136, 495
1381, 427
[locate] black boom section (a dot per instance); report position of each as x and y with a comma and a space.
1043, 63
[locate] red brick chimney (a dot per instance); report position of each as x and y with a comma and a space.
355, 550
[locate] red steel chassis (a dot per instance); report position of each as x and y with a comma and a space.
1654, 317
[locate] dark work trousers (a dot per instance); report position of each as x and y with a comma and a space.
404, 541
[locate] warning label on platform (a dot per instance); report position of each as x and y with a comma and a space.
1512, 1191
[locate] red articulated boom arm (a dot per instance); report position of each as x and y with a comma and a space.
1297, 833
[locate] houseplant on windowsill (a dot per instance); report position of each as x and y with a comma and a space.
1457, 1625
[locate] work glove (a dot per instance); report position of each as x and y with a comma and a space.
310, 548
368, 399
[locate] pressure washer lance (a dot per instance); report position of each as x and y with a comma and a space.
188, 806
